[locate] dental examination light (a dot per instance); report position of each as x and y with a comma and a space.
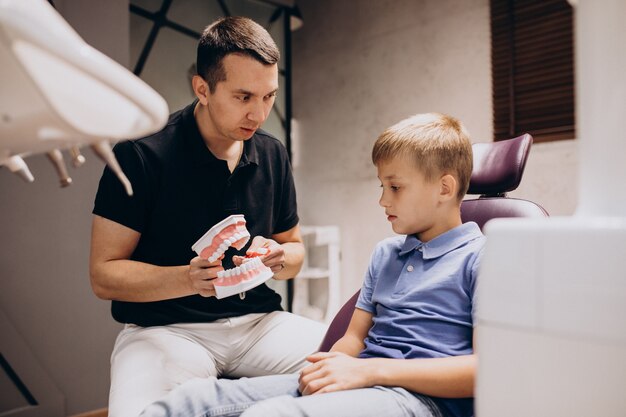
57, 92
552, 314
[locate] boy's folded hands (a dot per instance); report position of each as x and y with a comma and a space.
334, 371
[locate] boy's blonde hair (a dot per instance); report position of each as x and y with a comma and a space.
438, 144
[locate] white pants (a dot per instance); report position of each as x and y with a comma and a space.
148, 362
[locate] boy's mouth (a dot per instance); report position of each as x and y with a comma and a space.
391, 217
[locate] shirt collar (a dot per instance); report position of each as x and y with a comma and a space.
444, 243
201, 153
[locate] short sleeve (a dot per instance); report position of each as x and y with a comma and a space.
112, 202
288, 208
473, 284
367, 289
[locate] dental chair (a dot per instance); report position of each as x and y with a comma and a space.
498, 169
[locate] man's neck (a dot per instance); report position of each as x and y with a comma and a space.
223, 148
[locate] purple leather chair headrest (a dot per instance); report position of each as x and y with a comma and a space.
498, 166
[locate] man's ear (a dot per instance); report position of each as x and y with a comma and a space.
448, 187
200, 89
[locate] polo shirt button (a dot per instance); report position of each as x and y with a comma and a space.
409, 268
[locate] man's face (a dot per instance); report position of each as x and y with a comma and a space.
409, 200
242, 102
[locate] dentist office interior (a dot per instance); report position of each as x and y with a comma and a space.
349, 69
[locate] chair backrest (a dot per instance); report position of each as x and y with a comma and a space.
498, 169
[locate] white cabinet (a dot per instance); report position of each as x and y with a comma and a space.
316, 287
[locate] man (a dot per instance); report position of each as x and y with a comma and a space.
210, 161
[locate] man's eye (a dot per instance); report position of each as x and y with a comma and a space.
394, 188
243, 98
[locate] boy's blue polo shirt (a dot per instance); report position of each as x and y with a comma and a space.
422, 299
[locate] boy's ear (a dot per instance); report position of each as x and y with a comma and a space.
448, 187
200, 89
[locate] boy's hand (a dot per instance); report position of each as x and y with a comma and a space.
275, 259
202, 273
333, 371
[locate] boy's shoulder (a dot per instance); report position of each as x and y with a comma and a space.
390, 244
387, 249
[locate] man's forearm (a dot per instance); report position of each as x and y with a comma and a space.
126, 280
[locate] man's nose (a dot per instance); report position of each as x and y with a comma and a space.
257, 113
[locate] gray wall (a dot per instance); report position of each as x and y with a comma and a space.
360, 66
44, 279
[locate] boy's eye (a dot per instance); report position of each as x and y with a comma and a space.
391, 187
242, 98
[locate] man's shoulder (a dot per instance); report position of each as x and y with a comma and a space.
172, 128
265, 141
157, 143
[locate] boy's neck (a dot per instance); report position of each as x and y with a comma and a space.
441, 226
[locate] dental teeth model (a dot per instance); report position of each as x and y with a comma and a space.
229, 232
242, 278
232, 232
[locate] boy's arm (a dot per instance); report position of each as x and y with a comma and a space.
451, 377
328, 370
352, 342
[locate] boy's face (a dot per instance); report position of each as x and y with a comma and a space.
410, 202
242, 102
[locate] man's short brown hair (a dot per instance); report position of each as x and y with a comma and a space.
232, 35
438, 144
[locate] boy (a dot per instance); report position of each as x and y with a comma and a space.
408, 350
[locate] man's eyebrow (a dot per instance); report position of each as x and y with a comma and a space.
250, 93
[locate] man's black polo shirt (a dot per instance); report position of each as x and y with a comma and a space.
180, 190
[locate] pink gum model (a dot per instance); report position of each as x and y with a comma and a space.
229, 232
242, 278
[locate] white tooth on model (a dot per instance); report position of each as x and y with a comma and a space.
77, 158
17, 166
56, 157
104, 152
